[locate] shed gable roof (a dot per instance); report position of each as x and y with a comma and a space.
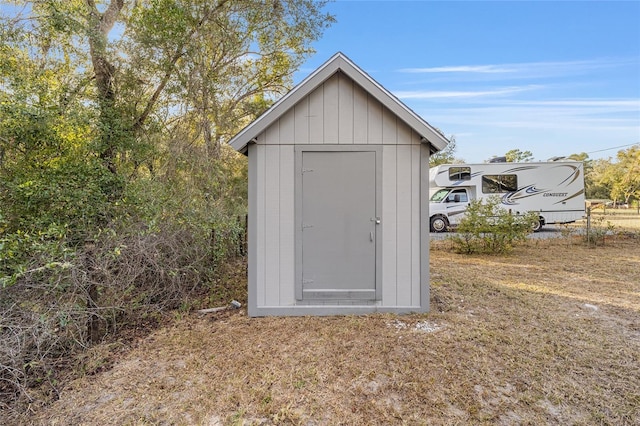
339, 62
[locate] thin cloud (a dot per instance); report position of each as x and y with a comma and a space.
521, 70
452, 94
611, 114
489, 69
623, 104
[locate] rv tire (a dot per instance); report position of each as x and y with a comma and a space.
439, 224
537, 226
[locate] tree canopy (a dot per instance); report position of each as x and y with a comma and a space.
622, 178
125, 88
447, 155
118, 195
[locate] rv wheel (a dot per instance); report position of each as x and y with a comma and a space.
537, 226
439, 224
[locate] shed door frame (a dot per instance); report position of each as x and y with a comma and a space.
299, 149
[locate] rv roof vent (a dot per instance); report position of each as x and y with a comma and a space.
498, 160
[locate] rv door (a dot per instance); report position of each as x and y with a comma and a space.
457, 202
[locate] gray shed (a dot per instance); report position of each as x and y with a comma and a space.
338, 199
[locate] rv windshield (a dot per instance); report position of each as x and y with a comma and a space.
439, 195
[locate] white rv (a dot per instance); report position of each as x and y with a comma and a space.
554, 190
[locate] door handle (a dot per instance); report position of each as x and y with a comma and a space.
371, 236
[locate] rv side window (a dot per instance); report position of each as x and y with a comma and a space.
458, 196
459, 173
492, 184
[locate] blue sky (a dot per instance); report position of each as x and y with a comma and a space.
554, 78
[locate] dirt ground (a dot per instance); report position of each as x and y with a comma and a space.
549, 334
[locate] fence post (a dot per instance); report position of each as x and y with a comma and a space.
93, 321
245, 230
588, 224
212, 244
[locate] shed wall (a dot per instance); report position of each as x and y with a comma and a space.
337, 112
274, 232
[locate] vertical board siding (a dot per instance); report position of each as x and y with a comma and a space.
252, 219
345, 109
260, 225
272, 225
389, 226
275, 257
403, 218
416, 139
339, 111
287, 226
331, 109
374, 121
301, 126
415, 225
272, 134
360, 100
389, 128
287, 127
404, 133
316, 116
424, 228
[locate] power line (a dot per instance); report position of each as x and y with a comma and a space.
614, 147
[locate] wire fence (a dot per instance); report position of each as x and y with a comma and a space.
596, 224
618, 219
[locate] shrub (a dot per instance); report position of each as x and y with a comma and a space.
59, 294
597, 230
489, 228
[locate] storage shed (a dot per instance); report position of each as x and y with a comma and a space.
338, 199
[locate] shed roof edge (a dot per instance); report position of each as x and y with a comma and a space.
338, 62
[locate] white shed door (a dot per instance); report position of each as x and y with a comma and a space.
338, 225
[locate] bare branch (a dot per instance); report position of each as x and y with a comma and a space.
110, 15
174, 59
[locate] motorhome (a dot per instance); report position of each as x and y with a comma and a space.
554, 190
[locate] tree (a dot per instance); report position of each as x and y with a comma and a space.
517, 156
583, 156
48, 173
625, 176
447, 155
598, 184
592, 190
114, 181
616, 180
150, 75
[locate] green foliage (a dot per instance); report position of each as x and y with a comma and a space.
615, 180
446, 156
489, 228
626, 178
597, 230
47, 175
518, 156
24, 253
592, 189
118, 195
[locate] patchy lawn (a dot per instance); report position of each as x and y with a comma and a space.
547, 335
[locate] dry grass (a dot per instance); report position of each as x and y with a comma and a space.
621, 220
547, 335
